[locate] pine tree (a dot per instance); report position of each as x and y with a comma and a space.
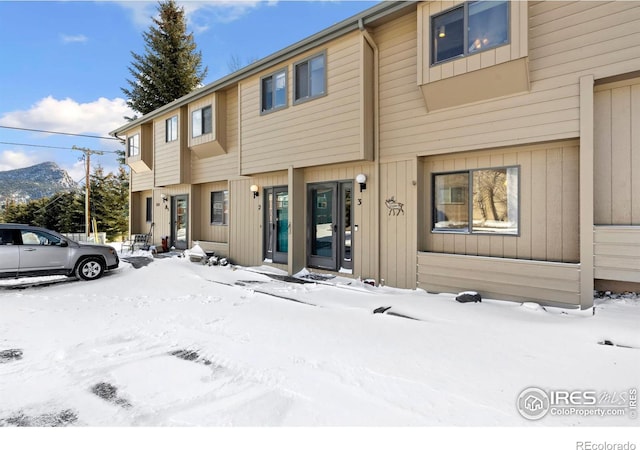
170, 68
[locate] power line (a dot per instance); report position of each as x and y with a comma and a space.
50, 146
61, 132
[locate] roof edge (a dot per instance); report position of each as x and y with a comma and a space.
369, 16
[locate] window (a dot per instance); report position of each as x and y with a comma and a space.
149, 215
171, 127
469, 28
274, 91
220, 208
201, 121
488, 196
310, 78
133, 145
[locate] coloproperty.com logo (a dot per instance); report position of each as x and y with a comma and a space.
535, 403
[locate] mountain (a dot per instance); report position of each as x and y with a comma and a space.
31, 183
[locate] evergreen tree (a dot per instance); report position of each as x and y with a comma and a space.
170, 68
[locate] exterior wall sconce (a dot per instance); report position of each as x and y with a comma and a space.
254, 189
165, 199
361, 179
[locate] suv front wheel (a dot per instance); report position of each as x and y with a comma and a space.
89, 269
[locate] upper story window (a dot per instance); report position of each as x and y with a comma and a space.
201, 121
477, 201
171, 128
274, 91
310, 78
220, 208
469, 28
133, 145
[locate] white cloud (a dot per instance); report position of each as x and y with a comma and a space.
78, 38
200, 14
68, 116
16, 159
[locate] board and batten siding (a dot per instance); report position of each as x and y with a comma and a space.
617, 153
137, 219
246, 217
221, 167
566, 40
323, 130
617, 181
398, 240
548, 204
206, 231
364, 249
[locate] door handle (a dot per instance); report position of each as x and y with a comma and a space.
335, 228
29, 249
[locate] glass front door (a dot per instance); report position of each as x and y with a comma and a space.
180, 221
330, 215
276, 220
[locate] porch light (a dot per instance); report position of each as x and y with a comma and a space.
254, 189
441, 32
361, 179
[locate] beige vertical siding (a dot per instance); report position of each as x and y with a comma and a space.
246, 217
162, 211
565, 42
365, 240
617, 153
221, 167
323, 130
548, 203
398, 232
208, 231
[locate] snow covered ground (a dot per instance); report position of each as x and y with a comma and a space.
176, 343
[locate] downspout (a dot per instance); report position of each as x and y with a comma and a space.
376, 142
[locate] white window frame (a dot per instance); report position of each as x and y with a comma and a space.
133, 145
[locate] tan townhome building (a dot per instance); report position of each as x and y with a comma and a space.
449, 146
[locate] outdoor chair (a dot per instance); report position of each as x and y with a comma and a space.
136, 242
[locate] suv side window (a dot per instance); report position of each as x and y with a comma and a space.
6, 237
30, 237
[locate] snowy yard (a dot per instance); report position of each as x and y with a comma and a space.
177, 343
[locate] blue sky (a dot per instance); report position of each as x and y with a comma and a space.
64, 63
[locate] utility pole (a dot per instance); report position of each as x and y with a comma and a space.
87, 155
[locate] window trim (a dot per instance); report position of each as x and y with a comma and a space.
286, 91
167, 126
136, 138
201, 128
225, 206
307, 60
469, 230
465, 37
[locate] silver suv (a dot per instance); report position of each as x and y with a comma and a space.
28, 251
